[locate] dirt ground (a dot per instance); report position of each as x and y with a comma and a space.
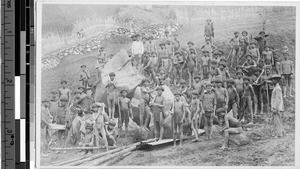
263, 151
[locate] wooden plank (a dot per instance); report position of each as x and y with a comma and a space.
164, 141
114, 160
82, 148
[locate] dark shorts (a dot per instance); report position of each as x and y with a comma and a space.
205, 70
125, 116
208, 118
287, 79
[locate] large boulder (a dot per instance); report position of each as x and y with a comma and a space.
128, 77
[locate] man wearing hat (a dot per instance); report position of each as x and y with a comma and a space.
125, 110
144, 102
268, 56
46, 120
64, 92
256, 82
176, 42
209, 30
137, 49
111, 99
178, 114
244, 42
100, 120
195, 113
54, 103
261, 40
88, 138
151, 46
209, 102
178, 65
239, 83
221, 94
205, 64
197, 85
249, 65
216, 56
84, 76
61, 119
247, 100
235, 47
166, 36
208, 46
158, 113
287, 69
224, 71
214, 70
233, 97
254, 51
277, 105
86, 101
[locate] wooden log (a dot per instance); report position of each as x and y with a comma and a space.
114, 160
104, 159
82, 148
71, 160
95, 157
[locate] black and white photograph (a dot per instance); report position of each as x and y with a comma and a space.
165, 84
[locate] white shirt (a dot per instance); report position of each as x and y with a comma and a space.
276, 99
137, 47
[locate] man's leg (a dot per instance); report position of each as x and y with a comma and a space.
148, 116
113, 104
156, 128
142, 111
249, 101
180, 128
174, 126
103, 133
211, 118
206, 125
109, 107
226, 135
234, 110
290, 86
161, 126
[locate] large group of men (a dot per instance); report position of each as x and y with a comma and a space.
208, 87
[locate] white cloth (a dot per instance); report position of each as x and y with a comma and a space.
276, 99
137, 47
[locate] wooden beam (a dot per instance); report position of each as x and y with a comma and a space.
114, 160
82, 148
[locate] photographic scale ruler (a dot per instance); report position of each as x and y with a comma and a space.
17, 63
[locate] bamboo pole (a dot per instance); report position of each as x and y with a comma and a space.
75, 163
82, 148
104, 159
114, 160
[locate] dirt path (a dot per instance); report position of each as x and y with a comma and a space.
269, 152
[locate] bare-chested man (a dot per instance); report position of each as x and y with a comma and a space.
158, 113
64, 92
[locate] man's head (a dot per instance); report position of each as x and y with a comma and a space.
275, 79
230, 82
177, 95
46, 103
207, 41
285, 56
54, 94
144, 39
146, 54
208, 21
195, 94
112, 76
145, 82
244, 33
252, 44
249, 57
208, 86
268, 70
213, 63
267, 48
182, 82
222, 65
175, 35
150, 38
111, 86
81, 89
160, 90
285, 48
63, 83
153, 54
205, 53
197, 78
236, 34
134, 37
190, 44
124, 92
162, 45
246, 80
257, 71
262, 33
218, 82
95, 107
167, 32
83, 67
239, 74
